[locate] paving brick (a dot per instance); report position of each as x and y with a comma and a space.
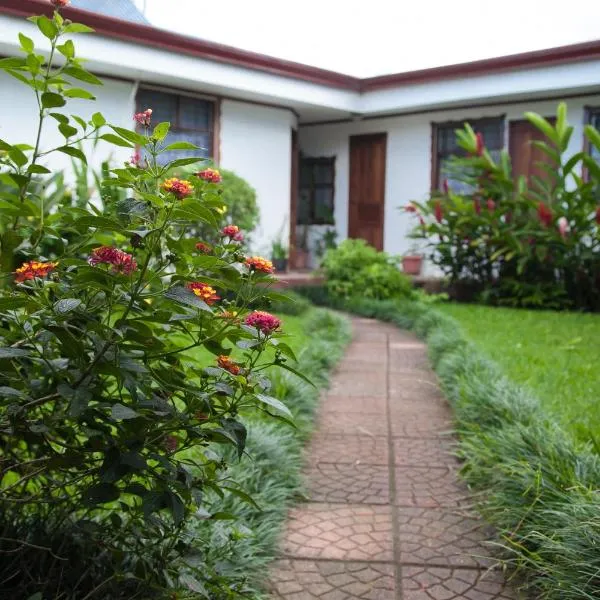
368, 384
416, 424
429, 487
339, 532
443, 537
433, 583
365, 449
424, 452
331, 580
353, 423
354, 404
349, 483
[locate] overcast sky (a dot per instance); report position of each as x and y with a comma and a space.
373, 37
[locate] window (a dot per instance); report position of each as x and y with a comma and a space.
445, 145
192, 120
315, 200
593, 119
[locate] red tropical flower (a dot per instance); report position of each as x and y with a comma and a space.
180, 188
228, 365
257, 263
210, 175
438, 211
479, 143
144, 118
33, 269
491, 205
203, 248
544, 214
204, 292
121, 261
263, 321
598, 215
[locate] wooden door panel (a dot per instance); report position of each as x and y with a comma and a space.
524, 155
367, 188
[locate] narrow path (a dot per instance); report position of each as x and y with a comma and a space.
387, 518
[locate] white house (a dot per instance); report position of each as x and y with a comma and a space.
321, 149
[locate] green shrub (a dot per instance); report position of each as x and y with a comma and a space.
290, 303
511, 242
355, 267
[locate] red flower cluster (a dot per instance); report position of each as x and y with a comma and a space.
480, 144
439, 213
204, 292
544, 214
203, 248
257, 263
229, 365
180, 188
121, 261
33, 269
144, 118
491, 205
263, 321
233, 232
210, 175
60, 3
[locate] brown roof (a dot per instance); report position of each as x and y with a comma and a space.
151, 36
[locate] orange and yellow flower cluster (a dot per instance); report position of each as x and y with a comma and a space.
180, 188
210, 175
229, 365
203, 247
33, 269
258, 263
204, 292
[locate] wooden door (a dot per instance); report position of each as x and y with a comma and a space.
367, 188
524, 155
295, 153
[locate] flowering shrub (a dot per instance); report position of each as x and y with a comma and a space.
511, 242
103, 392
356, 269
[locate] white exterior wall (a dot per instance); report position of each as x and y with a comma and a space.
256, 144
408, 165
18, 124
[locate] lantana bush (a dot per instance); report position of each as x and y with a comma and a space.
113, 426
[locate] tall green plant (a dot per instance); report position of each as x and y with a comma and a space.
102, 389
516, 242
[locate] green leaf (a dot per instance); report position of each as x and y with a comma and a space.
187, 297
38, 169
119, 412
13, 353
36, 596
52, 100
9, 392
98, 120
12, 63
78, 28
60, 117
297, 373
182, 162
544, 126
160, 131
47, 27
74, 152
101, 493
130, 136
67, 49
79, 93
17, 156
67, 130
192, 584
181, 146
274, 403
116, 140
241, 495
80, 122
82, 75
66, 305
12, 302
104, 223
26, 43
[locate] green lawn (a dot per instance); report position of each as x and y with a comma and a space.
557, 355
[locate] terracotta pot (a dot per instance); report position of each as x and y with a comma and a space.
411, 265
301, 259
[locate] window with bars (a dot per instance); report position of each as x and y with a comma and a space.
446, 145
192, 120
316, 194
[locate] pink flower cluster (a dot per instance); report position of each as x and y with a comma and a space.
144, 118
210, 175
263, 321
233, 232
60, 3
121, 261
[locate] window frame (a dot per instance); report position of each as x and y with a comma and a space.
316, 160
588, 113
214, 133
458, 124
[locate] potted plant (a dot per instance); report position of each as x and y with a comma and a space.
412, 262
279, 255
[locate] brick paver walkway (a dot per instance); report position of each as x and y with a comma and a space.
386, 516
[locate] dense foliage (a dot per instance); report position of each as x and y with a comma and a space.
533, 482
354, 267
113, 433
518, 243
